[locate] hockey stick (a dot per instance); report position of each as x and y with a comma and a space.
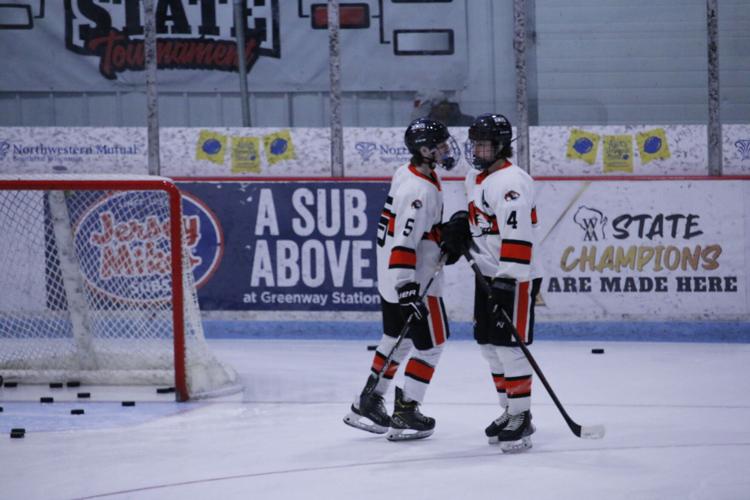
407, 324
587, 432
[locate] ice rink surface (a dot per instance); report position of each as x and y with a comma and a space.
677, 417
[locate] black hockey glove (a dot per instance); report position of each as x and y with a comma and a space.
456, 236
503, 297
408, 299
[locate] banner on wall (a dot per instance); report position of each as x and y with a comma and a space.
293, 246
660, 250
87, 45
643, 250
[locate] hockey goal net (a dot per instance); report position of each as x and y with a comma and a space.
96, 285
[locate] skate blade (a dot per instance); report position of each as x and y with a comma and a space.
522, 444
360, 422
407, 434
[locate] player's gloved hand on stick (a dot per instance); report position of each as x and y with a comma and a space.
503, 297
408, 299
456, 236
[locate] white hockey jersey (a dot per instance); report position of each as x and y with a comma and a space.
409, 233
502, 214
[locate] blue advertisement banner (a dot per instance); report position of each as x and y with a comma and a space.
285, 246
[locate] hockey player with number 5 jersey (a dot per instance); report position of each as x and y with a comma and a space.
410, 286
503, 221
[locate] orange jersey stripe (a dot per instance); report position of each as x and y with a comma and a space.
419, 370
402, 257
516, 251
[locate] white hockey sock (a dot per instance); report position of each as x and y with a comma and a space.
518, 379
384, 348
419, 371
497, 369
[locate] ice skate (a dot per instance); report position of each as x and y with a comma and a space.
516, 436
496, 426
368, 410
407, 422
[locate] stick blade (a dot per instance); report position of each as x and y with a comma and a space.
592, 432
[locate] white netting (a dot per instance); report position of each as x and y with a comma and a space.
86, 291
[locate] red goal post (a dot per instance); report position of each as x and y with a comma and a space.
112, 291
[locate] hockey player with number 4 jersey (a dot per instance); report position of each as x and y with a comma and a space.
503, 221
409, 254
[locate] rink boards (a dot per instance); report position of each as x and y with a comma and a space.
612, 250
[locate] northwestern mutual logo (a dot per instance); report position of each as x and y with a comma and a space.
385, 152
62, 152
190, 34
366, 150
743, 148
4, 148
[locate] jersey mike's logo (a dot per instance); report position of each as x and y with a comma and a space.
205, 238
124, 244
191, 34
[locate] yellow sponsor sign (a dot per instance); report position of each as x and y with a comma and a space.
618, 153
583, 145
653, 145
245, 155
279, 146
211, 146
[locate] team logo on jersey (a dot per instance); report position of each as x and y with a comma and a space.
511, 195
592, 221
126, 240
416, 204
4, 148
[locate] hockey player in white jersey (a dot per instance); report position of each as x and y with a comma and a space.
408, 254
503, 220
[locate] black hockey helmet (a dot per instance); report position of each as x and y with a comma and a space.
495, 128
424, 132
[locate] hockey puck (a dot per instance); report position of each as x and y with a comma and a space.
11, 384
164, 390
77, 411
1, 409
372, 347
46, 399
73, 383
55, 385
84, 395
15, 434
597, 351
128, 403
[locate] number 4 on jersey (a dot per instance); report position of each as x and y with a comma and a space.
512, 220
